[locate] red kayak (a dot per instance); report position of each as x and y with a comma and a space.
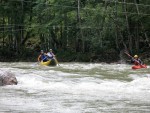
139, 66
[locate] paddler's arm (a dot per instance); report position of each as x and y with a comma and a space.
52, 54
132, 60
39, 58
140, 61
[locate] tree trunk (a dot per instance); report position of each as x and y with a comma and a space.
137, 28
3, 31
128, 27
116, 33
80, 40
142, 26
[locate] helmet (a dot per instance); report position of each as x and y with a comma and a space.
135, 56
50, 49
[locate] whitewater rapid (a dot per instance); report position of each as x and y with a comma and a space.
76, 88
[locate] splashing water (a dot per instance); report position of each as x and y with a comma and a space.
76, 88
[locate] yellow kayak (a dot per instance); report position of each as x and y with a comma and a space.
51, 62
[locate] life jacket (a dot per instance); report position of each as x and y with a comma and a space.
42, 57
50, 55
137, 61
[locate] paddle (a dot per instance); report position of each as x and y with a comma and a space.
56, 60
133, 58
44, 58
128, 54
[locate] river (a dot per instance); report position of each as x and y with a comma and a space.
76, 88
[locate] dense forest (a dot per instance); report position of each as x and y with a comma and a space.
77, 30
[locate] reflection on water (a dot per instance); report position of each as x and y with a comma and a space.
76, 88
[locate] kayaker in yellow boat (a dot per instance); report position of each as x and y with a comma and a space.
136, 60
42, 57
50, 54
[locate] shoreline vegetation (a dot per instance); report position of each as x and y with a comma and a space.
63, 56
109, 56
76, 30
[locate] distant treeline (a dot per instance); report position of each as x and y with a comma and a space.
92, 28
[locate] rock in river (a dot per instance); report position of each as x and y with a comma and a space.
7, 78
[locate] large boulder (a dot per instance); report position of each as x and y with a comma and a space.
7, 78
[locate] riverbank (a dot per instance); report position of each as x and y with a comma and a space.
63, 56
108, 56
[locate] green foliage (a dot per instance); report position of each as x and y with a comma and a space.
82, 26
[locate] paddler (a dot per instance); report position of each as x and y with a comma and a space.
42, 57
136, 60
50, 54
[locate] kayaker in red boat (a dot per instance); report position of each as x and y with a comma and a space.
136, 60
42, 57
50, 54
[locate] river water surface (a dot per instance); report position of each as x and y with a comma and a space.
76, 88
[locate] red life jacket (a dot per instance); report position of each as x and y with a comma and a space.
136, 63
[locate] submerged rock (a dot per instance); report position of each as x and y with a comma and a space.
7, 78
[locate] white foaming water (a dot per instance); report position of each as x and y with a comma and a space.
77, 88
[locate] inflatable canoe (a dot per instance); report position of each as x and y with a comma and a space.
51, 62
139, 66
